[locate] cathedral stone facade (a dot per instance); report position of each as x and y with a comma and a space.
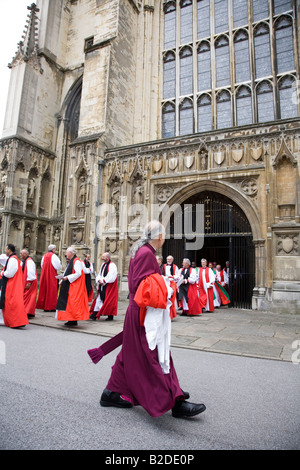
120, 111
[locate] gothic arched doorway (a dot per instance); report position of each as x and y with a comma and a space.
225, 235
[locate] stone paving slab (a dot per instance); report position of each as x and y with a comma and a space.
228, 331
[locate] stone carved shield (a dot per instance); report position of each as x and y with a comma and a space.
237, 154
173, 162
189, 161
256, 153
157, 165
287, 244
219, 157
112, 246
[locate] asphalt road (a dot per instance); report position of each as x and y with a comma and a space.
50, 394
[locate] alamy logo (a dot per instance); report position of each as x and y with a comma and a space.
296, 354
2, 353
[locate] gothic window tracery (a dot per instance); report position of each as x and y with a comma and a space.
216, 45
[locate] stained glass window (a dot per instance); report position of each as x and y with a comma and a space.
223, 109
240, 13
244, 106
265, 105
186, 117
186, 71
284, 44
287, 96
203, 18
169, 75
168, 124
204, 113
262, 51
241, 55
204, 67
222, 61
186, 21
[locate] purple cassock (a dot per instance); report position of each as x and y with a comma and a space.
137, 373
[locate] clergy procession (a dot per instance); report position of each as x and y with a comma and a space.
158, 292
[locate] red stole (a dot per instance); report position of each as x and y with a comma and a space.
152, 292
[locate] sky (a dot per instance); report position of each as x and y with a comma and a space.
13, 14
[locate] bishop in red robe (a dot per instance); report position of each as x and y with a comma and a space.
30, 282
188, 295
12, 287
72, 304
48, 289
106, 302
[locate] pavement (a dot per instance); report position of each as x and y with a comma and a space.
238, 332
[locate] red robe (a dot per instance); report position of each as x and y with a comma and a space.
194, 304
47, 299
14, 313
222, 290
72, 304
210, 291
31, 293
110, 304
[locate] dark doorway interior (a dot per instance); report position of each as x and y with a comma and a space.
227, 236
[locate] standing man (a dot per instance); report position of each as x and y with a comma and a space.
72, 304
137, 377
170, 269
106, 302
12, 288
88, 269
206, 283
50, 264
30, 282
221, 283
227, 271
160, 264
188, 290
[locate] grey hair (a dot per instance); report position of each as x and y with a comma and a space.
51, 247
71, 249
151, 231
25, 250
186, 260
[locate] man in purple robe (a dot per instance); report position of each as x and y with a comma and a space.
137, 377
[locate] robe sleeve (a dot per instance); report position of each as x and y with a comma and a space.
55, 261
31, 271
192, 277
86, 270
78, 271
12, 268
111, 275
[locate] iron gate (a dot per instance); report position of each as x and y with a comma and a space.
227, 236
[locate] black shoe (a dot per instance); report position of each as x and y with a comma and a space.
184, 409
185, 394
93, 316
71, 323
109, 398
109, 318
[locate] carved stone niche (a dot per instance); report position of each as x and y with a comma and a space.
77, 234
